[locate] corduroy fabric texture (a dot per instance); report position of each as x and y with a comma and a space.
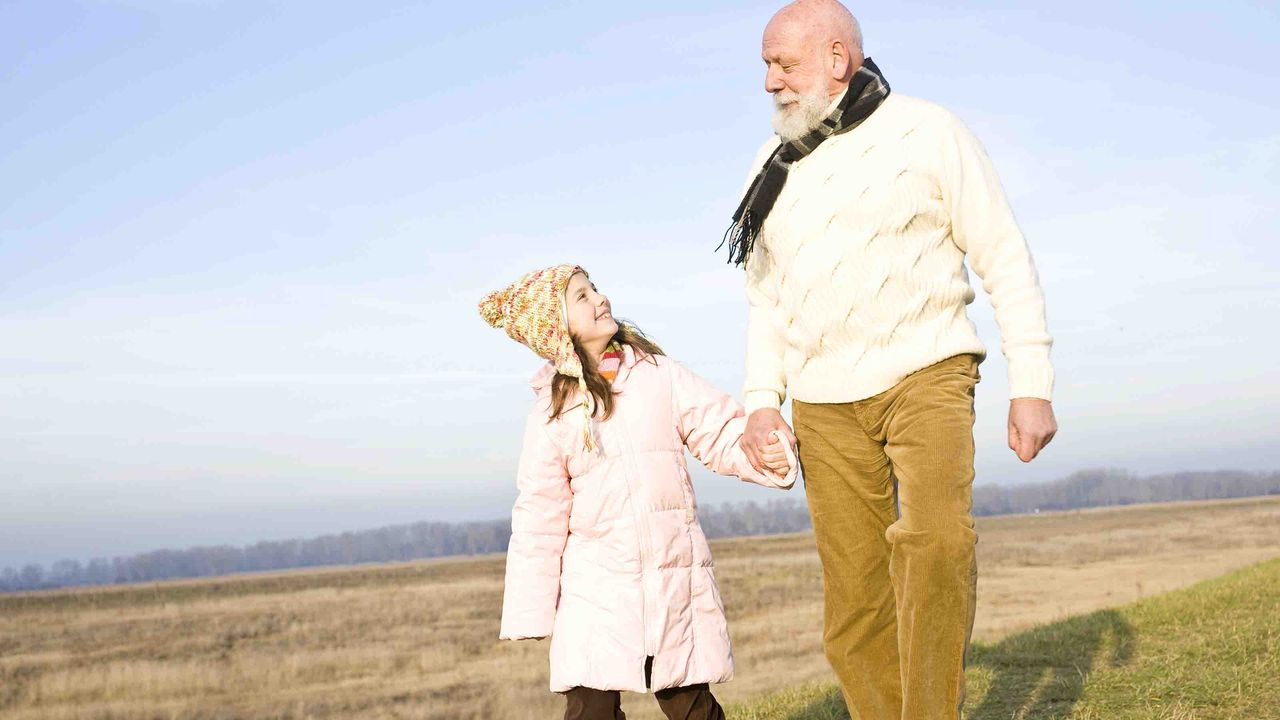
889, 482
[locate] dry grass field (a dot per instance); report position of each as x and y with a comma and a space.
417, 640
1210, 651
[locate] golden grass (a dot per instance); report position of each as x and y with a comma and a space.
418, 640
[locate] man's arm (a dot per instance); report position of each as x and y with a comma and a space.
766, 378
766, 384
984, 228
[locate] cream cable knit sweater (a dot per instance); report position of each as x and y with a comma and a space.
858, 277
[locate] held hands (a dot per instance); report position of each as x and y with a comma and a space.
763, 448
1031, 426
775, 458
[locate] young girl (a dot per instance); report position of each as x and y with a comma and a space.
606, 555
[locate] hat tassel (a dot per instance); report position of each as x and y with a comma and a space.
587, 413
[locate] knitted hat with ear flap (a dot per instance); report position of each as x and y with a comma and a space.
532, 311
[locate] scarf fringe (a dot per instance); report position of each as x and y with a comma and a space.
741, 237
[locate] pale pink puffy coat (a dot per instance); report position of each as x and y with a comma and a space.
607, 556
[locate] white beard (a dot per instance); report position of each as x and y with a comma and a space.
794, 114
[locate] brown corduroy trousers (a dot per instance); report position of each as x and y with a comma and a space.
889, 482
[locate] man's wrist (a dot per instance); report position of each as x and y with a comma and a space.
761, 400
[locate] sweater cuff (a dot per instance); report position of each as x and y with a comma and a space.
1031, 380
761, 399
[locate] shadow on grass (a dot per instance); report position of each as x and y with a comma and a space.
1039, 674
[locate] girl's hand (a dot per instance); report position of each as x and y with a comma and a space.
775, 458
761, 426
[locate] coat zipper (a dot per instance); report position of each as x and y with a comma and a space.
642, 531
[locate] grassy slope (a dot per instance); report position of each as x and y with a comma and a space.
1209, 652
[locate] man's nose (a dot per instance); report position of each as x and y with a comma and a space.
773, 80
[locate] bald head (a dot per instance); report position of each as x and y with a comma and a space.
820, 22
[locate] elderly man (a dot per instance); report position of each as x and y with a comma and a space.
853, 230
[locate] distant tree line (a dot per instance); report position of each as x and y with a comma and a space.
1100, 488
1089, 488
384, 544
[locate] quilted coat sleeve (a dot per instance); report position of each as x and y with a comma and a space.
539, 530
711, 424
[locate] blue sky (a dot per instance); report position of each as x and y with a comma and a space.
241, 243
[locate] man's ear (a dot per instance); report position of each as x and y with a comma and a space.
841, 61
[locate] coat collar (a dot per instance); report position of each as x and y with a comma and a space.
541, 380
628, 361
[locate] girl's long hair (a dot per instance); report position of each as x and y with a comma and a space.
563, 387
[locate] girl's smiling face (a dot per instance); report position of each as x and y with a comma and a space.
589, 314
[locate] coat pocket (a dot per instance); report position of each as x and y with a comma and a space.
590, 500
686, 488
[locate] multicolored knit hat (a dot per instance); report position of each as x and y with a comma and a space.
532, 311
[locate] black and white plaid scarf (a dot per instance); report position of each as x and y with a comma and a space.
866, 91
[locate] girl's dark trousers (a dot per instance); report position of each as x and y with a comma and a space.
694, 702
